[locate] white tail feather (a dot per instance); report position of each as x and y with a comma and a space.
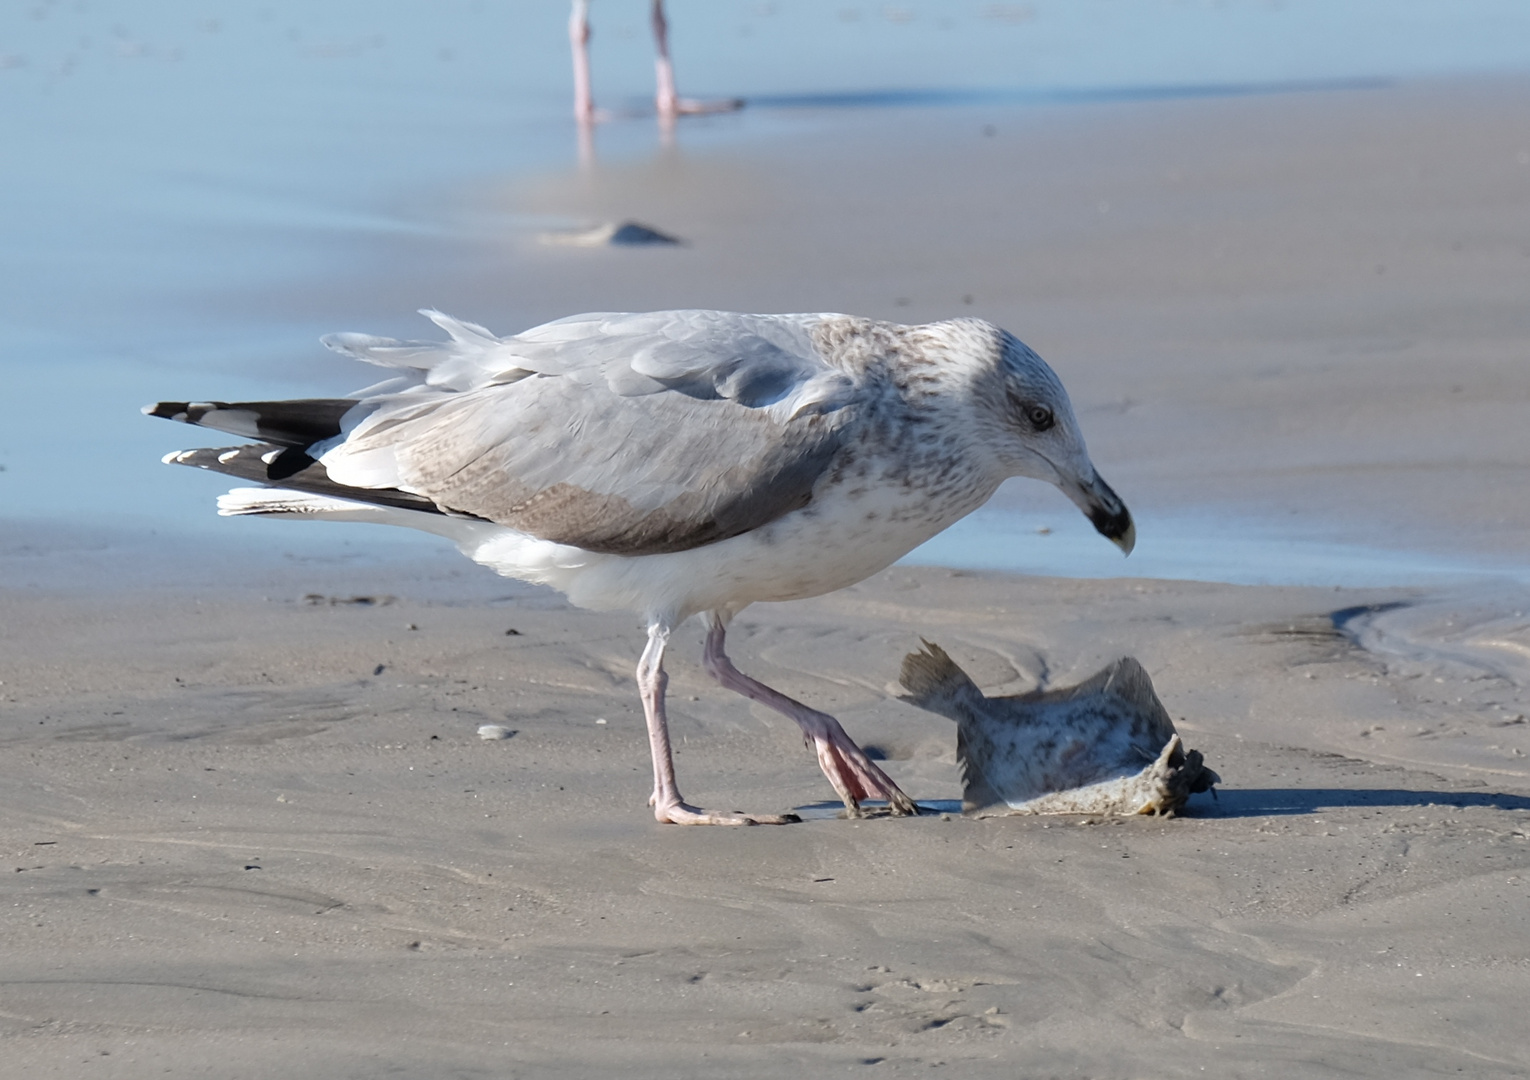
281, 502
467, 533
466, 333
473, 357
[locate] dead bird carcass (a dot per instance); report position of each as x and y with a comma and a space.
1105, 746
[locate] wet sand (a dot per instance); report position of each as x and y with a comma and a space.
251, 829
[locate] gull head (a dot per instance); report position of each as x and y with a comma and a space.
1031, 430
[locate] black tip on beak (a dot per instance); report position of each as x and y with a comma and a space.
1116, 527
1106, 511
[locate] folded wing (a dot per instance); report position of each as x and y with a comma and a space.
620, 434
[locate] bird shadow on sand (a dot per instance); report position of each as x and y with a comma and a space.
1241, 803
830, 809
1284, 802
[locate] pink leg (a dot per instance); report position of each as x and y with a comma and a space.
579, 38
667, 804
852, 773
665, 98
668, 102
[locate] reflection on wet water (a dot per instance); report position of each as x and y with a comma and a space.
942, 98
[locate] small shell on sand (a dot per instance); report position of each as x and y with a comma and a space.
1105, 746
489, 732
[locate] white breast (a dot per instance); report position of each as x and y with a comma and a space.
828, 545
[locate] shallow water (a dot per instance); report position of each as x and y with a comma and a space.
177, 177
1205, 546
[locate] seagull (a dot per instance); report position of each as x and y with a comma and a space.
671, 464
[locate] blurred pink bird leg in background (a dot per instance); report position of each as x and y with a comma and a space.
668, 103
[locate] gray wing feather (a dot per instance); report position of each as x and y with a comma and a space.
626, 434
759, 361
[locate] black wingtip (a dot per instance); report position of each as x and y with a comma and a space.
289, 462
168, 410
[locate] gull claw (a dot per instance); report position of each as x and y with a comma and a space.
854, 775
686, 814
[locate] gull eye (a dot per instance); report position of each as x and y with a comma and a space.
1040, 416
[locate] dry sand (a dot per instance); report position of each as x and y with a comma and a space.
251, 830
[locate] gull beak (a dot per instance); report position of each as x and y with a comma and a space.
1104, 508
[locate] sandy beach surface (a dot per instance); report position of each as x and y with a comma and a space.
249, 828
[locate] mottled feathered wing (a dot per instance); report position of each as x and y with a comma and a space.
621, 434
